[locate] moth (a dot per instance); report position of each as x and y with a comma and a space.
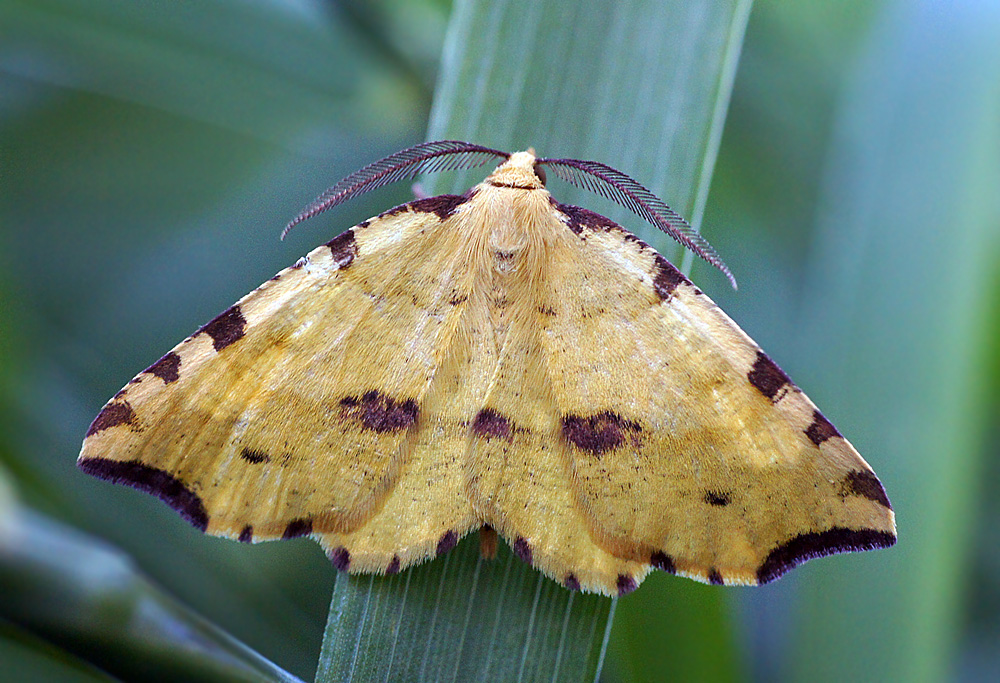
494, 360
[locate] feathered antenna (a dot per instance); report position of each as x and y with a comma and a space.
429, 157
619, 188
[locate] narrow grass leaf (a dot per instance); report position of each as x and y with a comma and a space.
643, 87
89, 600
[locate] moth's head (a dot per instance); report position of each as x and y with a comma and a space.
519, 171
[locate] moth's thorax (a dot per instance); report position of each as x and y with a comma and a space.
510, 223
515, 208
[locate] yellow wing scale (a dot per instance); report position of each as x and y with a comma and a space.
493, 359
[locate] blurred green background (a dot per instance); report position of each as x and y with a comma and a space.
151, 152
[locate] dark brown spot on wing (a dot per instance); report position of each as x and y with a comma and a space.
714, 577
151, 480
806, 546
112, 415
167, 368
579, 218
667, 278
379, 413
341, 558
393, 567
402, 208
522, 549
660, 560
246, 535
821, 429
866, 484
343, 248
599, 433
227, 328
447, 541
254, 456
443, 205
298, 527
717, 498
767, 377
489, 424
626, 584
571, 582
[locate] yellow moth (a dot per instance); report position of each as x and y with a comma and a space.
500, 361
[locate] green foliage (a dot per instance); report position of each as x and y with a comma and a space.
150, 153
90, 601
908, 240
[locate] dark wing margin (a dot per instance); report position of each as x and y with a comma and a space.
429, 157
157, 482
621, 189
807, 546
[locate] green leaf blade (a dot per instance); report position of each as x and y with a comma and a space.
642, 87
462, 618
88, 600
